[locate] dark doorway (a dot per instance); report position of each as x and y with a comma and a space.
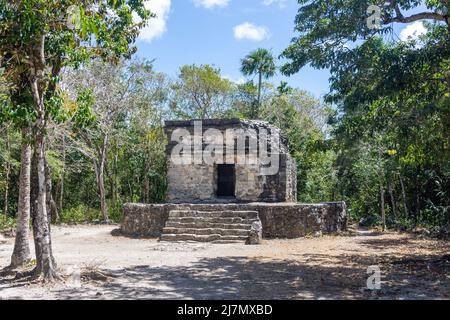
226, 180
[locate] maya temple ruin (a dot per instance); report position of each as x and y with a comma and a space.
230, 180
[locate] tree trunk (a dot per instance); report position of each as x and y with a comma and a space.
258, 106
61, 181
403, 195
45, 263
383, 214
101, 187
417, 204
7, 172
52, 209
146, 181
21, 253
99, 173
114, 186
391, 195
146, 189
130, 189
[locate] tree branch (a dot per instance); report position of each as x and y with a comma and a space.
415, 17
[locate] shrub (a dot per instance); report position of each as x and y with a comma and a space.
7, 222
115, 212
79, 214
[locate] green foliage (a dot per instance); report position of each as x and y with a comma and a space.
7, 223
391, 130
259, 62
327, 29
200, 93
79, 214
321, 177
54, 162
115, 212
400, 94
106, 29
82, 213
129, 115
245, 100
386, 136
9, 167
303, 120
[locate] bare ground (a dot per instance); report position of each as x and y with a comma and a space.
329, 267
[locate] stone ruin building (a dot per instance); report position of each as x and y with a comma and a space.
230, 180
235, 177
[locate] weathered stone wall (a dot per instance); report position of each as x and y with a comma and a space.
279, 220
144, 220
291, 179
197, 183
249, 182
193, 182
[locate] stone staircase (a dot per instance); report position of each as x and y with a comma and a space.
203, 226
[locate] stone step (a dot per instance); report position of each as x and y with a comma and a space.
201, 238
206, 231
212, 220
213, 214
209, 226
200, 223
226, 241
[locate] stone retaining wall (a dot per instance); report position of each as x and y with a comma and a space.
279, 220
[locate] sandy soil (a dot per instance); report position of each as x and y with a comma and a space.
102, 266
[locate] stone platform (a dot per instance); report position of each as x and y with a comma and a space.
279, 220
213, 226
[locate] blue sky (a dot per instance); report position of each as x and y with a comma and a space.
221, 32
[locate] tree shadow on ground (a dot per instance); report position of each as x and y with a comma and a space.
232, 278
405, 274
381, 244
345, 277
16, 278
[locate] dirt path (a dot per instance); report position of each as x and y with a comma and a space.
315, 268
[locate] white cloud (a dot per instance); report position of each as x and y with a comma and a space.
239, 80
250, 31
413, 31
156, 26
281, 3
211, 3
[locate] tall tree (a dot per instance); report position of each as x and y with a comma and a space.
329, 32
200, 92
7, 166
389, 93
303, 119
16, 108
245, 100
259, 62
21, 253
120, 93
109, 93
38, 41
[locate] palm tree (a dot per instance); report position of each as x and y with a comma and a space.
260, 62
